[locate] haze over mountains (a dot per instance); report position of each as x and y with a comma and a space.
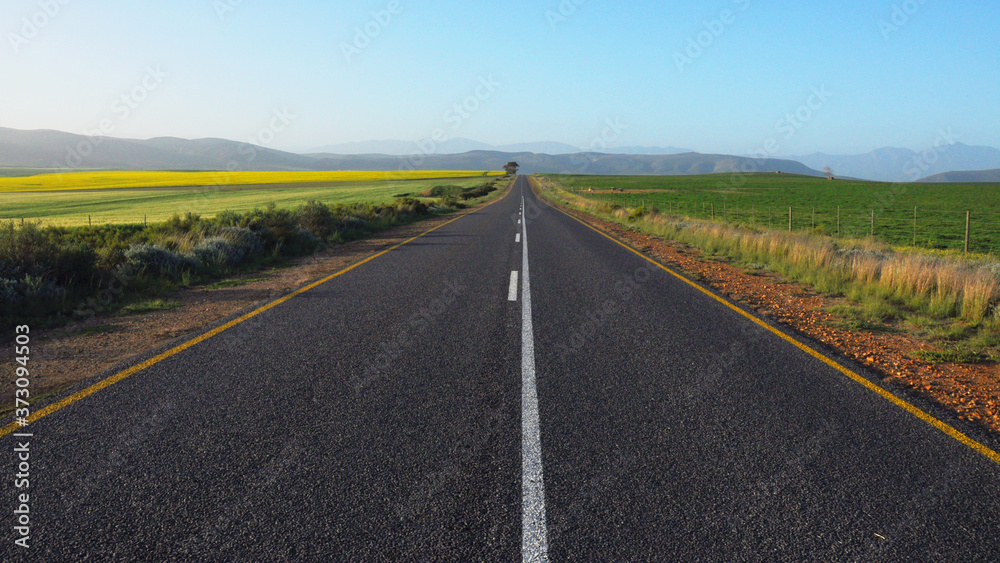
48, 149
905, 165
981, 176
460, 145
55, 149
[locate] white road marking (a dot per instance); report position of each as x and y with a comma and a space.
512, 290
534, 536
517, 237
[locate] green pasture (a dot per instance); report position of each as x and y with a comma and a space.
765, 199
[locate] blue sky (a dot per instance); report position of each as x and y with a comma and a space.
892, 73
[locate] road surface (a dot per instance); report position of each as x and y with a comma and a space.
467, 396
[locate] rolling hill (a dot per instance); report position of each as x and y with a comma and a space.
905, 165
56, 149
970, 176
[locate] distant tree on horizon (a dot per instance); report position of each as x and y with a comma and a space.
511, 168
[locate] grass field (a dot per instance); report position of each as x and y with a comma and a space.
133, 205
764, 199
106, 179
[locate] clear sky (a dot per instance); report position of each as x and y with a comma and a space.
891, 73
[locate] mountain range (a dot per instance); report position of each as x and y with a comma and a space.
904, 165
981, 176
460, 145
579, 163
56, 149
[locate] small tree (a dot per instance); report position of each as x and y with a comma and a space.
511, 168
829, 172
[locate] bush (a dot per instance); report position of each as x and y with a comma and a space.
39, 269
444, 191
189, 222
478, 191
316, 218
353, 223
244, 239
410, 206
304, 241
30, 250
146, 260
217, 251
13, 291
276, 227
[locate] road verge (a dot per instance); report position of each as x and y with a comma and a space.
972, 391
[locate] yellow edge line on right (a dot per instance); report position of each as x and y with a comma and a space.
940, 425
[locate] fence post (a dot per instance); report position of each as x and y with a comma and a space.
838, 221
814, 218
968, 217
872, 233
768, 216
914, 226
789, 219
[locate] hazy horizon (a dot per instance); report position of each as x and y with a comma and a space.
730, 77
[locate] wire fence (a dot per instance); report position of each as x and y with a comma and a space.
925, 227
92, 220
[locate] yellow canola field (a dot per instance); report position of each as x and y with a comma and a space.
155, 179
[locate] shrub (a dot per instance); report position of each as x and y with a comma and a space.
410, 206
478, 191
182, 224
217, 251
230, 246
443, 191
149, 261
40, 252
276, 227
39, 269
316, 218
353, 223
28, 288
244, 239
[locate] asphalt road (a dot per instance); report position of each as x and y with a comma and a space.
388, 414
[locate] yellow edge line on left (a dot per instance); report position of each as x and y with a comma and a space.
111, 380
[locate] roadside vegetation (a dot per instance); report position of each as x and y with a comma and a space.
49, 275
946, 298
931, 216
